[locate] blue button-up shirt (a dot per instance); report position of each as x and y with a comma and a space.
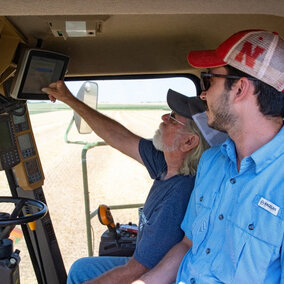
235, 219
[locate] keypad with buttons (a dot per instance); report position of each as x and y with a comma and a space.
9, 159
28, 153
33, 171
21, 126
34, 178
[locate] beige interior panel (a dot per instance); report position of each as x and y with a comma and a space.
137, 37
145, 7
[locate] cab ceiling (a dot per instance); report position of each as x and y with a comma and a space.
145, 7
139, 37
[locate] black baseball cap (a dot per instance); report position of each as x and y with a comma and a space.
195, 108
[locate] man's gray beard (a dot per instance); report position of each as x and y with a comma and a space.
159, 145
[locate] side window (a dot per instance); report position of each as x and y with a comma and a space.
136, 91
122, 98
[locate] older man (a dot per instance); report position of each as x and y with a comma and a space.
234, 224
171, 160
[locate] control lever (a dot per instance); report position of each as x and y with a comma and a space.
106, 219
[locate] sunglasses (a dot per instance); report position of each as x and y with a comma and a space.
173, 120
206, 78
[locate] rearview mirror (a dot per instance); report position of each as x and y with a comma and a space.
88, 93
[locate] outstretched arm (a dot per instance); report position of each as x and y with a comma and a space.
121, 274
166, 270
112, 132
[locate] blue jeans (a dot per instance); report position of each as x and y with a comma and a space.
87, 268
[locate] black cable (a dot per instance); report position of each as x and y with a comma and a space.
10, 105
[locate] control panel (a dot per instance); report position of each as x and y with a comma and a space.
9, 156
29, 171
121, 244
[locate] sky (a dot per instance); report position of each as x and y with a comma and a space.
137, 91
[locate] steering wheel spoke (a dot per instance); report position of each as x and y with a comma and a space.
19, 206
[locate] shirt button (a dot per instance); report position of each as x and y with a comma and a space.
221, 217
251, 226
232, 181
192, 281
208, 250
201, 198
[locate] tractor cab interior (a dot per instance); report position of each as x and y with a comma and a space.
88, 44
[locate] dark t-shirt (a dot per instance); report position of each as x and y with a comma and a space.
164, 209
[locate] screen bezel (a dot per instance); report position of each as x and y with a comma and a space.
22, 75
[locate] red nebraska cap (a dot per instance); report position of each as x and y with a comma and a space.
258, 53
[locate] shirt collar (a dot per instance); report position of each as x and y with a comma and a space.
228, 149
266, 154
262, 157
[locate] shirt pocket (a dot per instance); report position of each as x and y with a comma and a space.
252, 242
263, 245
225, 264
268, 228
200, 228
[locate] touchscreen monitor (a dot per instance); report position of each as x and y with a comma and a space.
37, 69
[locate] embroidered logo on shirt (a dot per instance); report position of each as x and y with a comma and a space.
268, 206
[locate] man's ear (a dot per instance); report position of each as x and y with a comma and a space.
241, 88
189, 142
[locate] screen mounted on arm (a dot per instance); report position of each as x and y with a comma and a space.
37, 69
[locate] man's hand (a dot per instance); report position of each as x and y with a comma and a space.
58, 90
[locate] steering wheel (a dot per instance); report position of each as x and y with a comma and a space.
15, 219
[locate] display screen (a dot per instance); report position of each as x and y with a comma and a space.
36, 70
6, 141
19, 119
25, 142
42, 72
